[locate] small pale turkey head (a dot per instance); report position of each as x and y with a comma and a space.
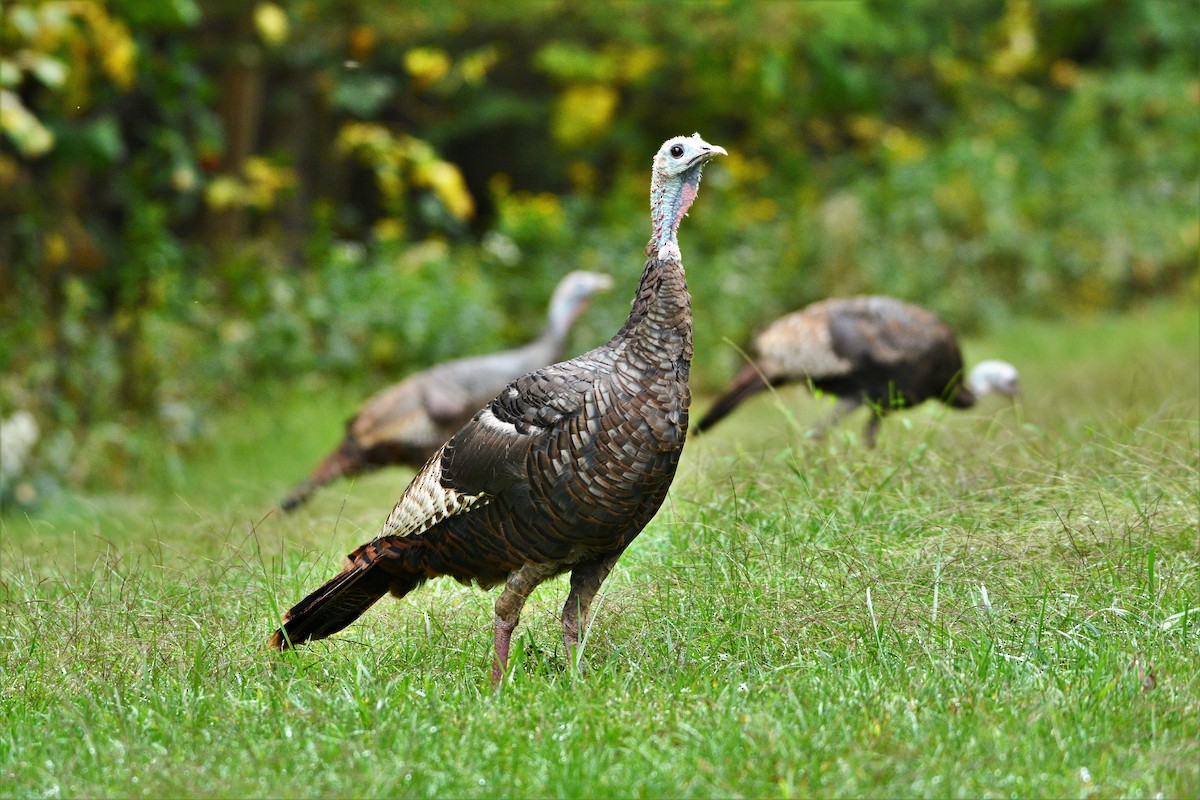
674, 182
994, 377
573, 293
684, 156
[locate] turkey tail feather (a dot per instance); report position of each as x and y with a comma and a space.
341, 601
345, 460
749, 382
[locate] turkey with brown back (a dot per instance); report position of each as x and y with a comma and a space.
875, 350
559, 473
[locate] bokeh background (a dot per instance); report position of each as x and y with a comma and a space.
204, 199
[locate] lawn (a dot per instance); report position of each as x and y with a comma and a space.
998, 602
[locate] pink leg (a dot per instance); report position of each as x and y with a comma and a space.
503, 640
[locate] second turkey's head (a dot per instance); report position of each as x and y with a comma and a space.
572, 295
994, 377
673, 185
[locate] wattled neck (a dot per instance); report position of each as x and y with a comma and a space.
670, 198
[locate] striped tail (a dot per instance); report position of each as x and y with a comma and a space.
345, 460
749, 382
372, 571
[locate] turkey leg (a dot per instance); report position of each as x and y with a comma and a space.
872, 431
508, 609
585, 582
844, 406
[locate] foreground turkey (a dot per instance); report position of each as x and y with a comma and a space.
876, 350
405, 423
559, 472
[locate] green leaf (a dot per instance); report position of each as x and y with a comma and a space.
362, 95
104, 137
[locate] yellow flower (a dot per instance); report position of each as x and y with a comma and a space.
426, 64
584, 113
271, 23
448, 183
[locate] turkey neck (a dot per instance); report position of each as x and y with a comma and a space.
548, 346
659, 328
658, 332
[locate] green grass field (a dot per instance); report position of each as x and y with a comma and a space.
999, 602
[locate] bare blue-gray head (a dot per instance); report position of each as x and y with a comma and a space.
673, 186
572, 295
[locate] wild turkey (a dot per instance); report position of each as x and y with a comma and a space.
559, 472
876, 350
406, 422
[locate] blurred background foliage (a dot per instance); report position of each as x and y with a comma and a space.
200, 197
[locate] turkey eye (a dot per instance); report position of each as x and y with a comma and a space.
677, 150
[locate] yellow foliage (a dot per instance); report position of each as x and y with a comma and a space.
427, 65
54, 246
112, 41
865, 128
390, 156
89, 35
119, 62
584, 113
475, 67
448, 184
271, 22
1021, 47
639, 62
266, 181
389, 229
223, 192
902, 146
369, 135
391, 183
258, 187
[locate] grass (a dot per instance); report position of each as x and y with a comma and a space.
1004, 601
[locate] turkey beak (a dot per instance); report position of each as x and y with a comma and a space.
708, 152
